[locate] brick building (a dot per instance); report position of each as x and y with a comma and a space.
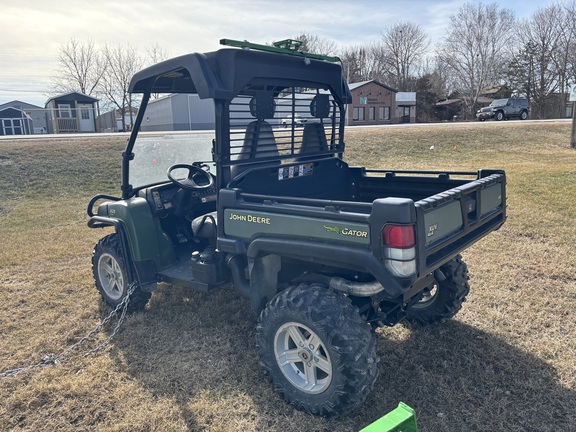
374, 103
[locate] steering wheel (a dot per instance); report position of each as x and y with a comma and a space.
189, 182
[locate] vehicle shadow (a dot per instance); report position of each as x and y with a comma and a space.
199, 351
460, 378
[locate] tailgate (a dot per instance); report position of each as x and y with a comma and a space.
453, 220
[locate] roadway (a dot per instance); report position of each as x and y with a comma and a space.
402, 125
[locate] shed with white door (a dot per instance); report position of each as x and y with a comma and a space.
72, 113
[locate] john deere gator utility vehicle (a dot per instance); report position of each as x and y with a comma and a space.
324, 252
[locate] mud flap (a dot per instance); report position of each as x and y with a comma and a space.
263, 280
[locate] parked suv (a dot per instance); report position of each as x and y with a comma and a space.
501, 109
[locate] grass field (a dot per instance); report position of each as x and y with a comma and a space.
506, 362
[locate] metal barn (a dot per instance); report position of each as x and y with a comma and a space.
179, 112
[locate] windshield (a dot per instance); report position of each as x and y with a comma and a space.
155, 152
499, 103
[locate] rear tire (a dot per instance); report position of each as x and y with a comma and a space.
317, 350
111, 276
524, 115
442, 300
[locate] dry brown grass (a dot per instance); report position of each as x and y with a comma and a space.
507, 362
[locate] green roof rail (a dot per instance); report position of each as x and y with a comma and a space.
286, 46
291, 44
402, 419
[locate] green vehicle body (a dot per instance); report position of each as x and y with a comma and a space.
146, 238
284, 208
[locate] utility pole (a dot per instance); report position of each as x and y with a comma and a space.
573, 134
572, 99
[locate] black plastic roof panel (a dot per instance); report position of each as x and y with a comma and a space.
223, 74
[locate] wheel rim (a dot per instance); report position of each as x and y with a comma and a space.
111, 277
303, 358
428, 296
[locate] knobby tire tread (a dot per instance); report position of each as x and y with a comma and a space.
453, 292
354, 354
111, 244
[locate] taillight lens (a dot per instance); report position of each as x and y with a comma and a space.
398, 236
399, 249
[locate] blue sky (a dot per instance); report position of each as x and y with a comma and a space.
32, 31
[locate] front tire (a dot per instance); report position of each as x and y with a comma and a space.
317, 350
442, 300
111, 276
499, 116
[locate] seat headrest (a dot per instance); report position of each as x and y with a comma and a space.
320, 106
263, 106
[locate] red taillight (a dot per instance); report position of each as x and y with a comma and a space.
398, 236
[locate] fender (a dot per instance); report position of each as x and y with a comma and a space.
343, 256
147, 247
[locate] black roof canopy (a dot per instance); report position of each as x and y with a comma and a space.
225, 73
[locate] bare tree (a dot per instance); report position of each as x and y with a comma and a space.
477, 47
122, 63
571, 63
314, 44
363, 63
565, 57
403, 46
80, 68
439, 73
155, 54
543, 34
353, 59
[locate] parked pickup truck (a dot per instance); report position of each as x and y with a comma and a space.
324, 252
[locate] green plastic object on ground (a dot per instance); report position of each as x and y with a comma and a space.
402, 419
